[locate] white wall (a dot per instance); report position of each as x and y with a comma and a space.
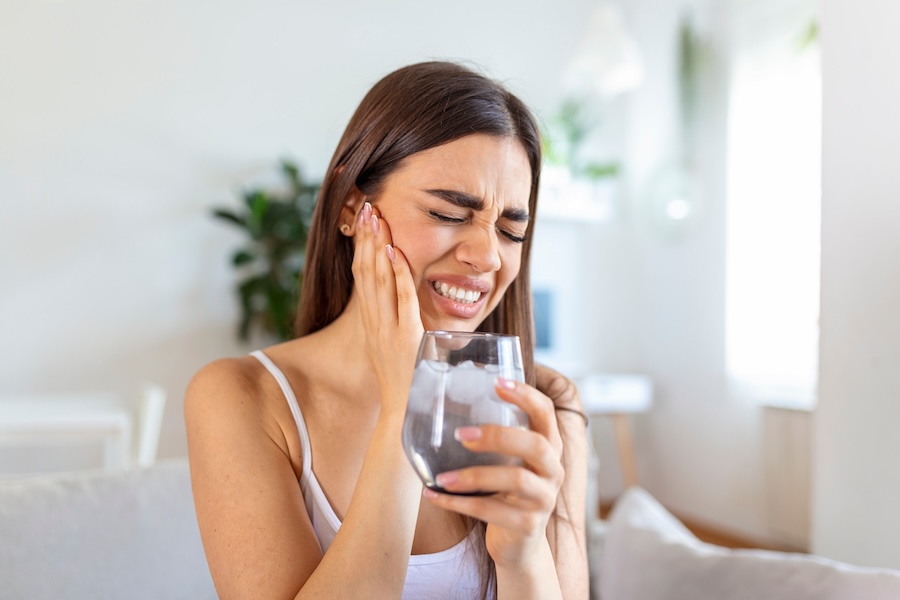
857, 481
700, 449
121, 124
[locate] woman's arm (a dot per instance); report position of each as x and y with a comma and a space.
248, 502
257, 536
256, 533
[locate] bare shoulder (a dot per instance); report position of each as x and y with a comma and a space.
233, 404
223, 381
222, 390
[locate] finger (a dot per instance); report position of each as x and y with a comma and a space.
533, 448
538, 407
359, 247
363, 260
493, 510
385, 281
407, 298
515, 485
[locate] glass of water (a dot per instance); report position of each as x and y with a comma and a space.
453, 387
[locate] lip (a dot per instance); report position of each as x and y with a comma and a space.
457, 309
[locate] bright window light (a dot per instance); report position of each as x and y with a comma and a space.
774, 200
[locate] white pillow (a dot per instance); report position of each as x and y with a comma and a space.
648, 554
103, 536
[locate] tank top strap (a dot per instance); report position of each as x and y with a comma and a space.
295, 410
324, 520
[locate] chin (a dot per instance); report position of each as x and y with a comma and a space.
450, 324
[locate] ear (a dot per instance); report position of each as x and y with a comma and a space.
352, 205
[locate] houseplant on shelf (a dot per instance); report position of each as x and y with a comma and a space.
270, 261
564, 139
576, 182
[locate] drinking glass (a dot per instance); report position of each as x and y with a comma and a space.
453, 387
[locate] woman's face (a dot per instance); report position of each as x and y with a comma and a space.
459, 213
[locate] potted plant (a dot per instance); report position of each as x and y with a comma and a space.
270, 261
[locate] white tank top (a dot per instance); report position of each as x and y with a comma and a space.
449, 575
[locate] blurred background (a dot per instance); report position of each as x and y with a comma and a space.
708, 235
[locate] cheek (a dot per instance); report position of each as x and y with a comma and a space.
512, 264
420, 245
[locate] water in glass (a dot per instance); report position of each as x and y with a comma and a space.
453, 387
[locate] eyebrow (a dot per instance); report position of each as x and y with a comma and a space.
464, 200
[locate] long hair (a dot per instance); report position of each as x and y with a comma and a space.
412, 109
415, 108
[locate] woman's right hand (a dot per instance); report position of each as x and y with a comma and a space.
388, 306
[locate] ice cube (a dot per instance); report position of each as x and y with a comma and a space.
468, 383
427, 384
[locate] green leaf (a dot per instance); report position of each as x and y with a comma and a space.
250, 288
231, 217
292, 172
809, 37
600, 170
242, 257
259, 203
280, 305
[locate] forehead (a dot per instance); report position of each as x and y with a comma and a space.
489, 167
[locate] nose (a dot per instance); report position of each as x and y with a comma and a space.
480, 249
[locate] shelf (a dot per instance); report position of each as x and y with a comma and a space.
574, 212
565, 199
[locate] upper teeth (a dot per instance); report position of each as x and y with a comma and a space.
459, 294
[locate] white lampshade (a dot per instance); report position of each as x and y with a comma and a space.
608, 59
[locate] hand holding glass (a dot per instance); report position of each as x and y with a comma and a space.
453, 387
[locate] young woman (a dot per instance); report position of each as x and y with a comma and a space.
301, 485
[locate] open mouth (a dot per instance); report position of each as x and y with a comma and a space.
456, 293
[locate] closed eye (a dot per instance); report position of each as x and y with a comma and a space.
445, 218
519, 239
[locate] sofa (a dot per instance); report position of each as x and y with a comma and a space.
133, 534
643, 552
102, 536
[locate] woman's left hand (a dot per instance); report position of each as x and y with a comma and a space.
518, 513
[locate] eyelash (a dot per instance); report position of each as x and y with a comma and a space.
457, 220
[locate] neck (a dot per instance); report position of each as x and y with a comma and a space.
344, 341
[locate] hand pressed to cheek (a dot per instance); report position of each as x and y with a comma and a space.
388, 307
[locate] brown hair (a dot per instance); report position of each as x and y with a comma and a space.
412, 109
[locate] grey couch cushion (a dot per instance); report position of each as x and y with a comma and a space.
102, 536
648, 554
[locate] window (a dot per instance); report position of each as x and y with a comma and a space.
773, 205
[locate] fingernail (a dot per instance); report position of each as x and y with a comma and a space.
467, 434
429, 493
445, 479
375, 224
367, 210
390, 252
362, 218
506, 384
